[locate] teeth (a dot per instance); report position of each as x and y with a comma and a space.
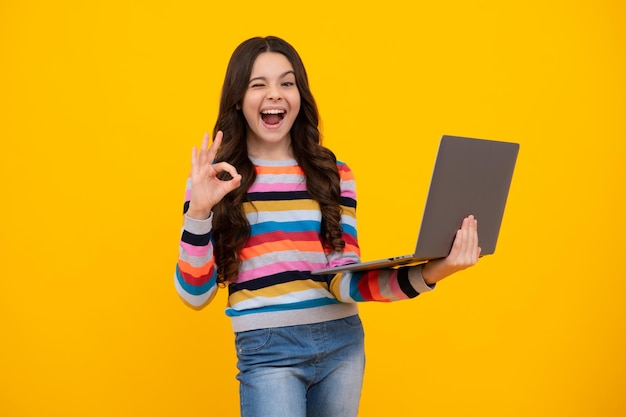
272, 111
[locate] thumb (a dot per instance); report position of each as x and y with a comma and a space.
233, 183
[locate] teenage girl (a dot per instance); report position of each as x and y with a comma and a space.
265, 205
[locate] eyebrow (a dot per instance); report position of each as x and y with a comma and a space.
283, 75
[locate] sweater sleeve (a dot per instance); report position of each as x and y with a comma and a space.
378, 285
195, 277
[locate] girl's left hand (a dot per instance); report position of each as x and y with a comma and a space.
464, 253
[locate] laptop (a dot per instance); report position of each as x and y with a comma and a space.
470, 176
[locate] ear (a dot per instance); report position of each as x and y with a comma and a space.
238, 106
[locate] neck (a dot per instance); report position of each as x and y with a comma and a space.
270, 151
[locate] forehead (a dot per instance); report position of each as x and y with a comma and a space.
270, 63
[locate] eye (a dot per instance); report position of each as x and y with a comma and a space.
256, 85
288, 84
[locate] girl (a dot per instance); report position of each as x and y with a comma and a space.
266, 204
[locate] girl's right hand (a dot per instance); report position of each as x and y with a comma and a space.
465, 252
206, 188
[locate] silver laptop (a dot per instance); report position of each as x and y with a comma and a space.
471, 176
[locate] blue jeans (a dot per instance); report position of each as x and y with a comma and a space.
310, 370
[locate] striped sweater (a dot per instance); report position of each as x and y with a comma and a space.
275, 286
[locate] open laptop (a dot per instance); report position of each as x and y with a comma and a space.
471, 176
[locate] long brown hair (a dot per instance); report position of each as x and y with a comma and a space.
231, 228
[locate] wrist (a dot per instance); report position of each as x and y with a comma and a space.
198, 214
432, 272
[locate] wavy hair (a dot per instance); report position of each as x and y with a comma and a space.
231, 228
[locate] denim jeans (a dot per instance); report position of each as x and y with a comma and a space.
310, 370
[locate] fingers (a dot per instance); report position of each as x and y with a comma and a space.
202, 155
214, 146
472, 234
470, 228
226, 167
203, 166
206, 154
232, 184
464, 253
194, 157
465, 250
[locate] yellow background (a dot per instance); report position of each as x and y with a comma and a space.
101, 102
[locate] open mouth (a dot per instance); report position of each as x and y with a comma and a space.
272, 117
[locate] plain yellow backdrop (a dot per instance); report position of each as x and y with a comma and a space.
101, 102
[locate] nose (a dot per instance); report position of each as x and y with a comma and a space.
273, 93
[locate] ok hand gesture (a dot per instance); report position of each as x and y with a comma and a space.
206, 188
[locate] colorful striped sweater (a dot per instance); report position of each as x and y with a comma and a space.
275, 286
